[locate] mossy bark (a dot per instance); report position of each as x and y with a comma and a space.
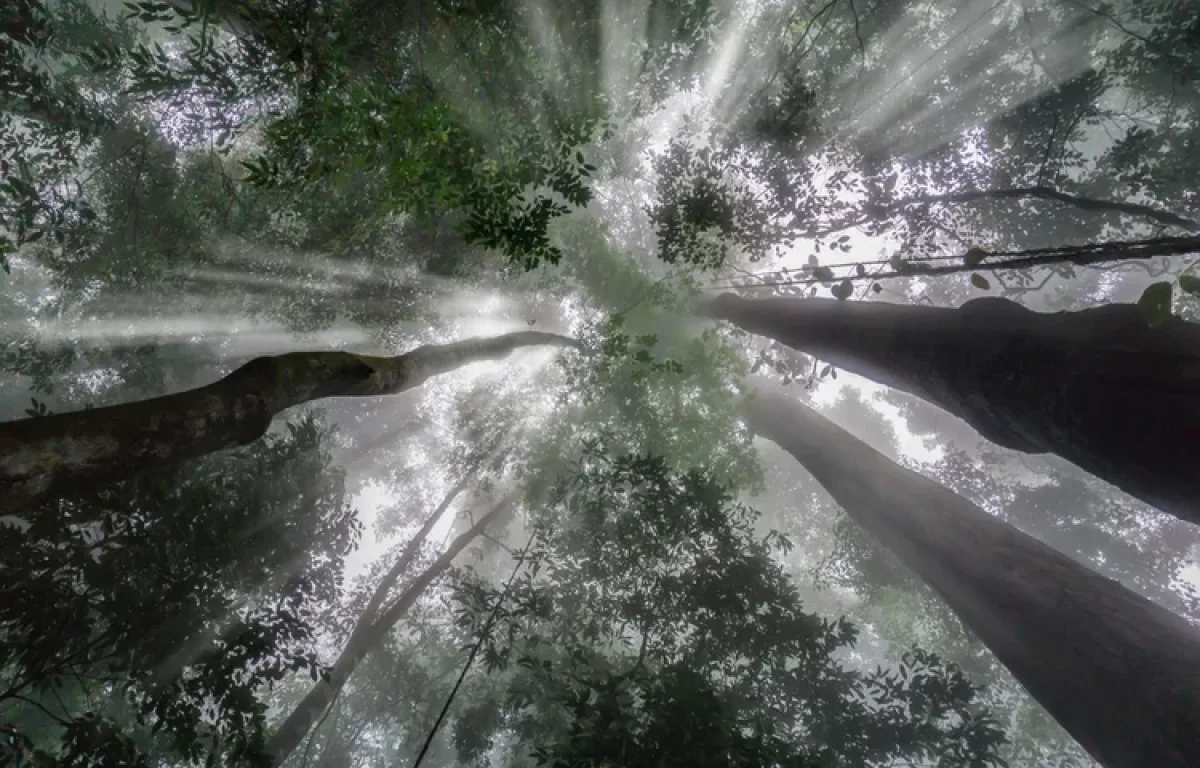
1121, 674
52, 455
1099, 387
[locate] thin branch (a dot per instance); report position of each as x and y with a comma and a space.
1112, 19
1049, 193
641, 657
912, 72
40, 706
1039, 191
1041, 174
787, 61
1170, 61
290, 734
487, 627
1078, 255
1033, 51
862, 47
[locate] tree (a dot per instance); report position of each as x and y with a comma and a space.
1039, 383
373, 626
1147, 551
71, 451
1070, 636
199, 184
612, 654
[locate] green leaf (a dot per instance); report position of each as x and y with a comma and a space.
1190, 284
843, 290
980, 282
974, 256
824, 274
1156, 303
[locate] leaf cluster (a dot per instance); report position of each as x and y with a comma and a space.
163, 605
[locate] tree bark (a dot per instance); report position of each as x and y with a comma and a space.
366, 636
1099, 387
62, 453
1121, 674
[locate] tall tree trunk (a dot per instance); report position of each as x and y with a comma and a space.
368, 633
402, 564
1099, 387
51, 455
1120, 673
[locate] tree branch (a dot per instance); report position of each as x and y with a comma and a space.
1049, 193
1038, 192
1078, 255
291, 733
50, 455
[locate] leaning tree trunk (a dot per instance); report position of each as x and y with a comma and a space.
62, 453
371, 630
1120, 673
1099, 387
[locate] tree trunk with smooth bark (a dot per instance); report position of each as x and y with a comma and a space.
1099, 387
1121, 674
370, 631
52, 455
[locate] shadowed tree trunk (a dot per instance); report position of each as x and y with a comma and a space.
1121, 674
62, 453
370, 631
1099, 387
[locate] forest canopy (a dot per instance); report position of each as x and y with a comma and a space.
639, 382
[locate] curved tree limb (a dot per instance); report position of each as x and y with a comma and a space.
50, 455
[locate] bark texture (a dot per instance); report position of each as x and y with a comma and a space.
1120, 673
1099, 387
370, 632
62, 453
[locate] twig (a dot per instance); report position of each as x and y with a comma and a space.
862, 47
1038, 191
